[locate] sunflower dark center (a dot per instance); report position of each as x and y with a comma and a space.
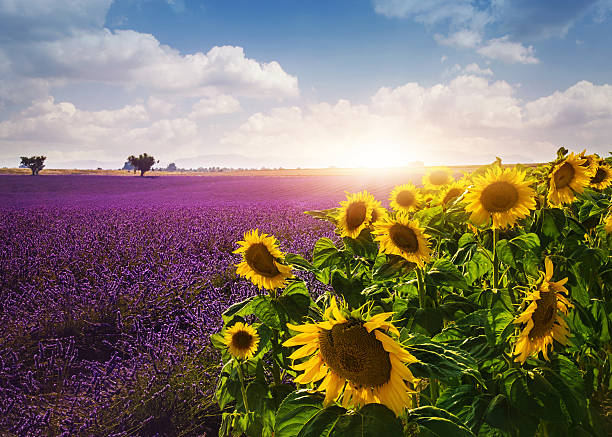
588, 161
242, 340
599, 177
499, 197
404, 238
564, 175
405, 199
355, 214
259, 259
544, 315
452, 194
355, 354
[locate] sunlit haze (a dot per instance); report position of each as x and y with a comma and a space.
360, 83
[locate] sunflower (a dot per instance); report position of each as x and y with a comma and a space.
402, 236
590, 162
405, 198
437, 177
358, 361
602, 178
567, 179
355, 214
452, 192
260, 263
378, 211
241, 341
502, 195
541, 319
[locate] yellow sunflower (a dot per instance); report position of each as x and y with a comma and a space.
405, 198
355, 214
567, 179
378, 211
437, 177
358, 361
590, 162
260, 255
452, 192
241, 341
602, 178
502, 195
541, 319
402, 236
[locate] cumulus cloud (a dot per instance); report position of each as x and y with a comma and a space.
216, 105
508, 51
468, 119
55, 41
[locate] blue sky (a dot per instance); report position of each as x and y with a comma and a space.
287, 83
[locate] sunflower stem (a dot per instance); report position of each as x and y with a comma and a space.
421, 287
275, 367
433, 391
242, 388
495, 260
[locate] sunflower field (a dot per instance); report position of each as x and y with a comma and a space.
478, 305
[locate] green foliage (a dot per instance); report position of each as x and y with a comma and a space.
456, 316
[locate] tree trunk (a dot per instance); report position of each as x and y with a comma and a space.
33, 172
142, 172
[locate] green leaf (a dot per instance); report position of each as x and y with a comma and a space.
299, 262
439, 422
478, 266
373, 420
296, 412
349, 289
325, 253
363, 246
294, 302
328, 215
526, 242
504, 252
390, 266
440, 361
301, 414
553, 222
237, 309
445, 272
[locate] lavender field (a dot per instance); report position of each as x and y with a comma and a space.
110, 287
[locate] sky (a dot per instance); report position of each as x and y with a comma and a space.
354, 83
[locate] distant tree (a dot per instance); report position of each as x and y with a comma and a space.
34, 163
143, 163
171, 167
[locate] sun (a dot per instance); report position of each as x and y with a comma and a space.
356, 360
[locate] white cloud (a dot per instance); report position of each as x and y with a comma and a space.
208, 106
507, 51
475, 69
457, 12
464, 39
584, 104
135, 59
469, 119
58, 42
